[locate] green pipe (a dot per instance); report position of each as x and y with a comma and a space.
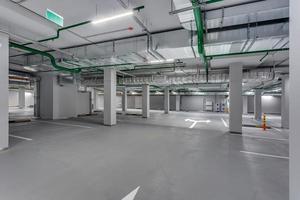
74, 26
212, 1
61, 29
199, 25
246, 53
48, 55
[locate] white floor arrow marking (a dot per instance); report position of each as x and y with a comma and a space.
224, 122
195, 122
132, 194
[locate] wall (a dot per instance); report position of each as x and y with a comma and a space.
270, 104
192, 103
61, 101
156, 102
84, 103
29, 98
100, 101
64, 101
13, 98
187, 103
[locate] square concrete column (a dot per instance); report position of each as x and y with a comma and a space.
236, 98
110, 89
294, 100
146, 101
124, 101
21, 98
167, 100
95, 99
4, 49
245, 105
285, 122
177, 102
257, 105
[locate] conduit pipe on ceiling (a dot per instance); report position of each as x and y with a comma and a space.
246, 53
60, 30
200, 27
42, 53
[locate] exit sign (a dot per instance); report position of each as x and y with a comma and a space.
54, 17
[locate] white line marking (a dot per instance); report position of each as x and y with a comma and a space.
132, 194
224, 122
195, 122
19, 137
65, 124
276, 129
258, 137
264, 155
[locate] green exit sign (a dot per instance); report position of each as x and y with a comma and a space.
54, 17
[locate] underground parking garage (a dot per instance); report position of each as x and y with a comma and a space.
127, 99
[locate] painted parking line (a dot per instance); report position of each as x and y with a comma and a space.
195, 122
276, 129
132, 194
260, 137
65, 124
19, 137
224, 122
264, 155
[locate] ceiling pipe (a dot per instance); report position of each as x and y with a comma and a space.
42, 53
200, 27
150, 49
245, 53
174, 12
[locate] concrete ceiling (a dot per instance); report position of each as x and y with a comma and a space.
175, 43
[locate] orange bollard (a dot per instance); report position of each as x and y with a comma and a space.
264, 122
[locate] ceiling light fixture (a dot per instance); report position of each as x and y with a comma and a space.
30, 69
162, 61
98, 21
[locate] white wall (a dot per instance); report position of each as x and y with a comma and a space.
84, 103
64, 101
270, 104
29, 98
13, 98
100, 101
60, 102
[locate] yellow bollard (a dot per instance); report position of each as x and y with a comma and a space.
264, 122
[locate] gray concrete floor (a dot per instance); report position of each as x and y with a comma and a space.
78, 159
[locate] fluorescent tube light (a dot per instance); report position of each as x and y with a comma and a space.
162, 61
30, 69
98, 21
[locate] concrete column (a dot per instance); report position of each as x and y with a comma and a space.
294, 100
257, 105
167, 100
110, 89
36, 98
146, 101
21, 98
177, 102
4, 49
245, 105
236, 98
124, 101
94, 99
285, 103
